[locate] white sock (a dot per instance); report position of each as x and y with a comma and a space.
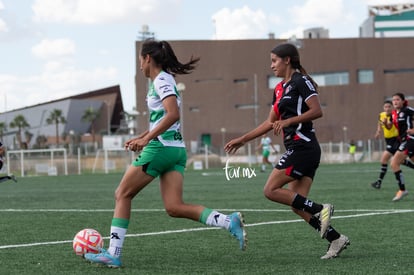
218, 219
117, 240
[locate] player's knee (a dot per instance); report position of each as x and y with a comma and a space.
173, 210
121, 194
269, 192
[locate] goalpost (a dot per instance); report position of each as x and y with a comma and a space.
39, 161
112, 159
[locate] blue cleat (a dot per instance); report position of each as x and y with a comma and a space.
103, 258
237, 229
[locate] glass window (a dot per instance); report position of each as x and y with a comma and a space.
272, 81
331, 79
365, 76
322, 79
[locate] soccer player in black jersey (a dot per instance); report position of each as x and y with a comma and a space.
293, 115
403, 120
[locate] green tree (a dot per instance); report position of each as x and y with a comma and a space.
90, 115
3, 128
41, 141
20, 123
56, 118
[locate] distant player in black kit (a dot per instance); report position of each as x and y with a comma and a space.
293, 115
4, 178
403, 120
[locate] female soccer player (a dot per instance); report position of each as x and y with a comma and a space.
8, 177
265, 145
403, 119
293, 115
162, 153
390, 133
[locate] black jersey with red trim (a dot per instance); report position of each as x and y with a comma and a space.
293, 103
403, 120
277, 94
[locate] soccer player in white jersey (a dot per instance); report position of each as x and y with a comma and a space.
265, 145
162, 154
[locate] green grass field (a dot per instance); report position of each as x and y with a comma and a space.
41, 215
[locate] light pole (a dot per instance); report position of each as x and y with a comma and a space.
223, 138
345, 129
181, 89
108, 117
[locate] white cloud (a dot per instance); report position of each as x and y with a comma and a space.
55, 82
54, 48
318, 13
3, 25
242, 23
101, 11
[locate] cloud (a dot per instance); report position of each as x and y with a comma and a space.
55, 82
318, 13
242, 23
54, 48
102, 11
3, 25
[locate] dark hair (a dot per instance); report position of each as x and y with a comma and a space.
387, 102
162, 53
289, 50
402, 96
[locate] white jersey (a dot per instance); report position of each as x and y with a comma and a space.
265, 142
163, 86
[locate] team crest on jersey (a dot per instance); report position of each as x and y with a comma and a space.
288, 88
401, 114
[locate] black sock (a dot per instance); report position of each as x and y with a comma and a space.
383, 171
400, 180
302, 203
331, 233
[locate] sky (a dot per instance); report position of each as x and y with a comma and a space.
51, 49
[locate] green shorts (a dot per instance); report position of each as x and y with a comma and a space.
266, 153
157, 159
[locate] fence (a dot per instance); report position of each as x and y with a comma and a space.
58, 162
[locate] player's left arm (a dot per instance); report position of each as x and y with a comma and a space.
314, 112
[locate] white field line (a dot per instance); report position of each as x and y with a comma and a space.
375, 212
163, 210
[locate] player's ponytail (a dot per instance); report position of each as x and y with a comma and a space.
163, 55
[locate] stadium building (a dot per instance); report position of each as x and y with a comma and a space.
107, 102
389, 21
230, 91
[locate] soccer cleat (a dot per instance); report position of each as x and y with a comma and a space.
400, 194
336, 247
237, 229
103, 258
376, 184
325, 218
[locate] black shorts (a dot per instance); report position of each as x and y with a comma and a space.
392, 144
301, 160
407, 147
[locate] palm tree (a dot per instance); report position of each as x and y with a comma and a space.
20, 123
90, 115
56, 117
3, 128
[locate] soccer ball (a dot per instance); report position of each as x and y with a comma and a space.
87, 241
